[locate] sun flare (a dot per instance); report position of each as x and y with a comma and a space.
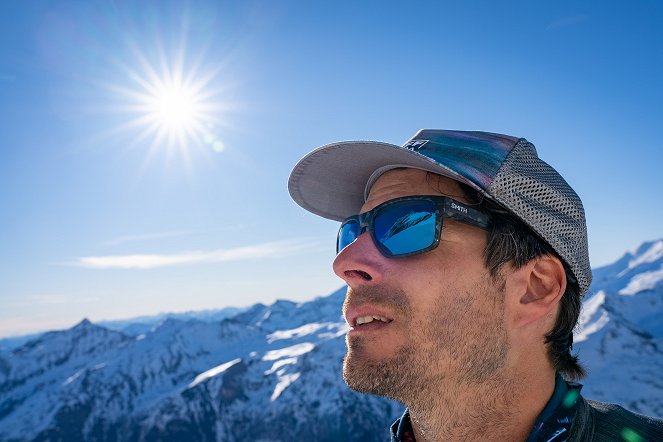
174, 106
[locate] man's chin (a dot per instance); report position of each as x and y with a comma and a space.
359, 375
379, 377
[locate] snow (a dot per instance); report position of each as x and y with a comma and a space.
280, 363
284, 382
584, 333
654, 253
213, 372
299, 332
293, 350
342, 329
643, 281
265, 317
73, 377
590, 307
78, 374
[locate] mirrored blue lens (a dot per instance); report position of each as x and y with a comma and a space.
348, 232
406, 227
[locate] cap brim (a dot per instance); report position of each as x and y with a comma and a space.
331, 180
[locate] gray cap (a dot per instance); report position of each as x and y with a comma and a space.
333, 181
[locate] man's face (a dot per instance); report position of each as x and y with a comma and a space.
443, 310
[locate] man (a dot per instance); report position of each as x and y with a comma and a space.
465, 257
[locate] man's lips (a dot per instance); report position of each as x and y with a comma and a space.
361, 316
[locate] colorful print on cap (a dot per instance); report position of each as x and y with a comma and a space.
477, 156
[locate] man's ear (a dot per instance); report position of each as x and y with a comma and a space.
543, 284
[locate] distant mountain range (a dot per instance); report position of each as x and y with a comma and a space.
272, 373
137, 325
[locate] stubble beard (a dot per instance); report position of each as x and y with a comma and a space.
457, 344
382, 377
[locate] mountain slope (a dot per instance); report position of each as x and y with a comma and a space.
620, 332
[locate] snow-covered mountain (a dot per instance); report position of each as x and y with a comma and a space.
272, 373
268, 373
620, 331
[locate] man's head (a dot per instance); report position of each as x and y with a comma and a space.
440, 311
479, 297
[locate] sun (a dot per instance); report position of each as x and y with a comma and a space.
174, 107
176, 110
171, 106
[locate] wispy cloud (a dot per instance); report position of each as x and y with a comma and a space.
274, 249
566, 21
144, 237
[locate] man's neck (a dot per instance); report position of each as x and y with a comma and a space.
499, 409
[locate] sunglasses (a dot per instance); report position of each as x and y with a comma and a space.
409, 225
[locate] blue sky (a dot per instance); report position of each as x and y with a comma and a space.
120, 200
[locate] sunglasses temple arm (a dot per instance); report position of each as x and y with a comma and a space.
469, 215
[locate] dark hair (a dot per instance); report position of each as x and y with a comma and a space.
510, 240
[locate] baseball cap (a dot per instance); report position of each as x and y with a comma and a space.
333, 181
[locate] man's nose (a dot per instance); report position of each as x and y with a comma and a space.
360, 263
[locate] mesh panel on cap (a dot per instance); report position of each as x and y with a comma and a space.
538, 195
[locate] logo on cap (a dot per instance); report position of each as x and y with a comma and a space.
415, 144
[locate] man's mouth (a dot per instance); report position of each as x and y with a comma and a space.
365, 318
361, 320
